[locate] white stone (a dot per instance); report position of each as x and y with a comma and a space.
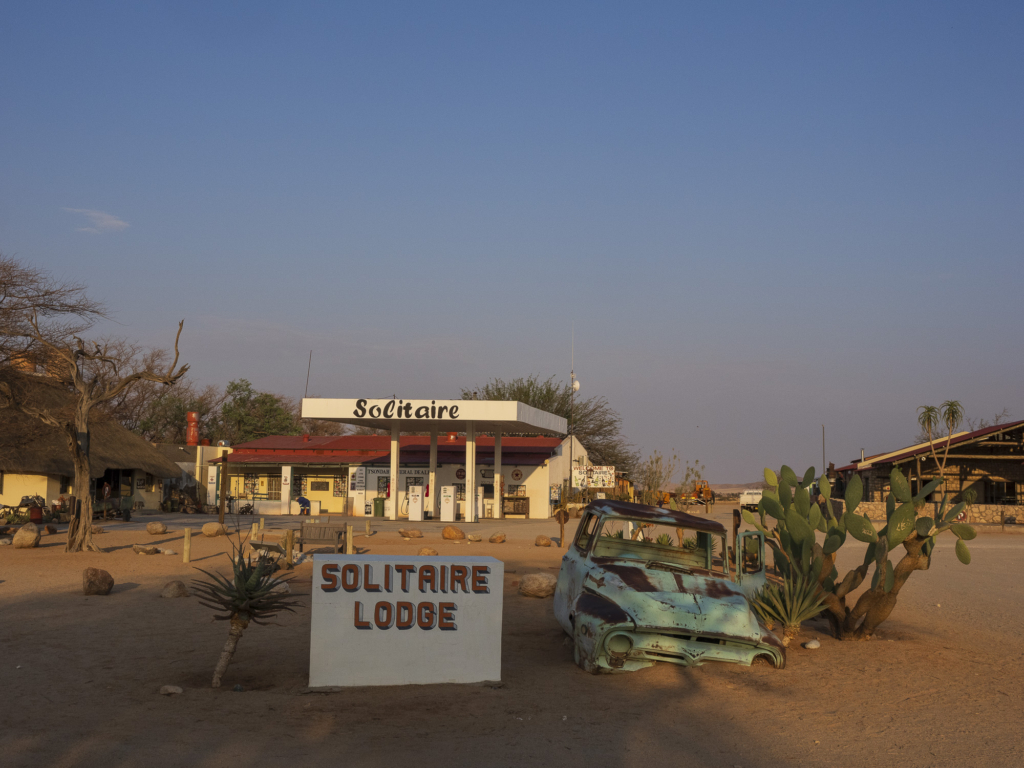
170, 690
812, 645
538, 585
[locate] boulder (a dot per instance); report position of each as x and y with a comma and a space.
51, 530
97, 529
212, 530
175, 589
542, 541
27, 536
142, 549
498, 538
170, 690
428, 552
155, 528
474, 537
5, 541
538, 585
168, 552
451, 532
96, 582
407, 533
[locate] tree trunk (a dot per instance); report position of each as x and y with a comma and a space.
80, 528
234, 635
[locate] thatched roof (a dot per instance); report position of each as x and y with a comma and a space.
29, 446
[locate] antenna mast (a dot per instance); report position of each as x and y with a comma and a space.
308, 368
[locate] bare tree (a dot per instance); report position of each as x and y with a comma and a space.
94, 373
61, 309
653, 474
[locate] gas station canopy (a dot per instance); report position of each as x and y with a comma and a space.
508, 416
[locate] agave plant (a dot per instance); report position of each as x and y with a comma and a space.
253, 594
790, 603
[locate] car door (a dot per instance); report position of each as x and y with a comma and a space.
750, 566
573, 571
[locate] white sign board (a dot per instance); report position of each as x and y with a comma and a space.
593, 477
394, 620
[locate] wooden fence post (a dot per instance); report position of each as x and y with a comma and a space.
368, 531
289, 543
350, 547
187, 547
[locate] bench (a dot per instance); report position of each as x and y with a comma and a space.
321, 533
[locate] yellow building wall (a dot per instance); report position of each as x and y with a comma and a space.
16, 486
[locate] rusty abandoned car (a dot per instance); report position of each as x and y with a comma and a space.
642, 584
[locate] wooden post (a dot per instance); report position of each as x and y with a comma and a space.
368, 531
289, 543
262, 520
187, 547
252, 532
561, 530
350, 548
223, 488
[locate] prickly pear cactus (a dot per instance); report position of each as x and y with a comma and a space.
791, 519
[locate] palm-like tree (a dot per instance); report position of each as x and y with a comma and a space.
950, 415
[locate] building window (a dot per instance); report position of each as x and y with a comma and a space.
274, 488
150, 482
319, 485
340, 486
460, 491
999, 492
65, 485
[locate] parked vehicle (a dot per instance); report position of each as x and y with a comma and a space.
643, 584
750, 500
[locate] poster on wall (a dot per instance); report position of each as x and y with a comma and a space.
593, 477
358, 478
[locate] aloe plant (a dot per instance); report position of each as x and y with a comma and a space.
790, 603
253, 594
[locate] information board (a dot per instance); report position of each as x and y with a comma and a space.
593, 477
394, 620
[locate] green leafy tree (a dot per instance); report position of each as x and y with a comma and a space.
248, 414
596, 425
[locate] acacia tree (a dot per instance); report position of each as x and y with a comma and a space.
592, 420
653, 474
94, 373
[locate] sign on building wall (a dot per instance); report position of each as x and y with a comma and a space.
593, 477
392, 620
358, 478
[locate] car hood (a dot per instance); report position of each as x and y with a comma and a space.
675, 599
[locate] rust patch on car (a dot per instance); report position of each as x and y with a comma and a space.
718, 589
632, 576
602, 609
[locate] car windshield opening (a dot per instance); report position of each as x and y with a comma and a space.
660, 543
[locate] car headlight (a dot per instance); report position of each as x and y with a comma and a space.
619, 645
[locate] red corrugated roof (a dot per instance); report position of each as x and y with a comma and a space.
375, 449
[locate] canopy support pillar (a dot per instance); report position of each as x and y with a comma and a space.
392, 503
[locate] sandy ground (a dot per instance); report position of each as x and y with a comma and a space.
79, 679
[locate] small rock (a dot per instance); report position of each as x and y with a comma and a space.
168, 552
451, 532
212, 530
537, 585
97, 529
410, 533
428, 552
175, 589
498, 538
170, 690
812, 645
28, 536
155, 528
542, 541
282, 587
96, 581
474, 537
51, 530
142, 549
6, 541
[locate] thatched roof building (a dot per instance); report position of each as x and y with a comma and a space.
30, 447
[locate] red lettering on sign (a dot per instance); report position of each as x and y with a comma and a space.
350, 577
368, 584
406, 615
426, 615
330, 579
360, 624
387, 578
428, 573
447, 619
480, 579
405, 570
383, 614
444, 578
460, 575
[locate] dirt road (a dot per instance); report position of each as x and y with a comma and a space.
941, 687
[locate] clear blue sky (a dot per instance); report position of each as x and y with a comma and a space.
760, 217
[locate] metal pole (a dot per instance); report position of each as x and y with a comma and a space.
223, 487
